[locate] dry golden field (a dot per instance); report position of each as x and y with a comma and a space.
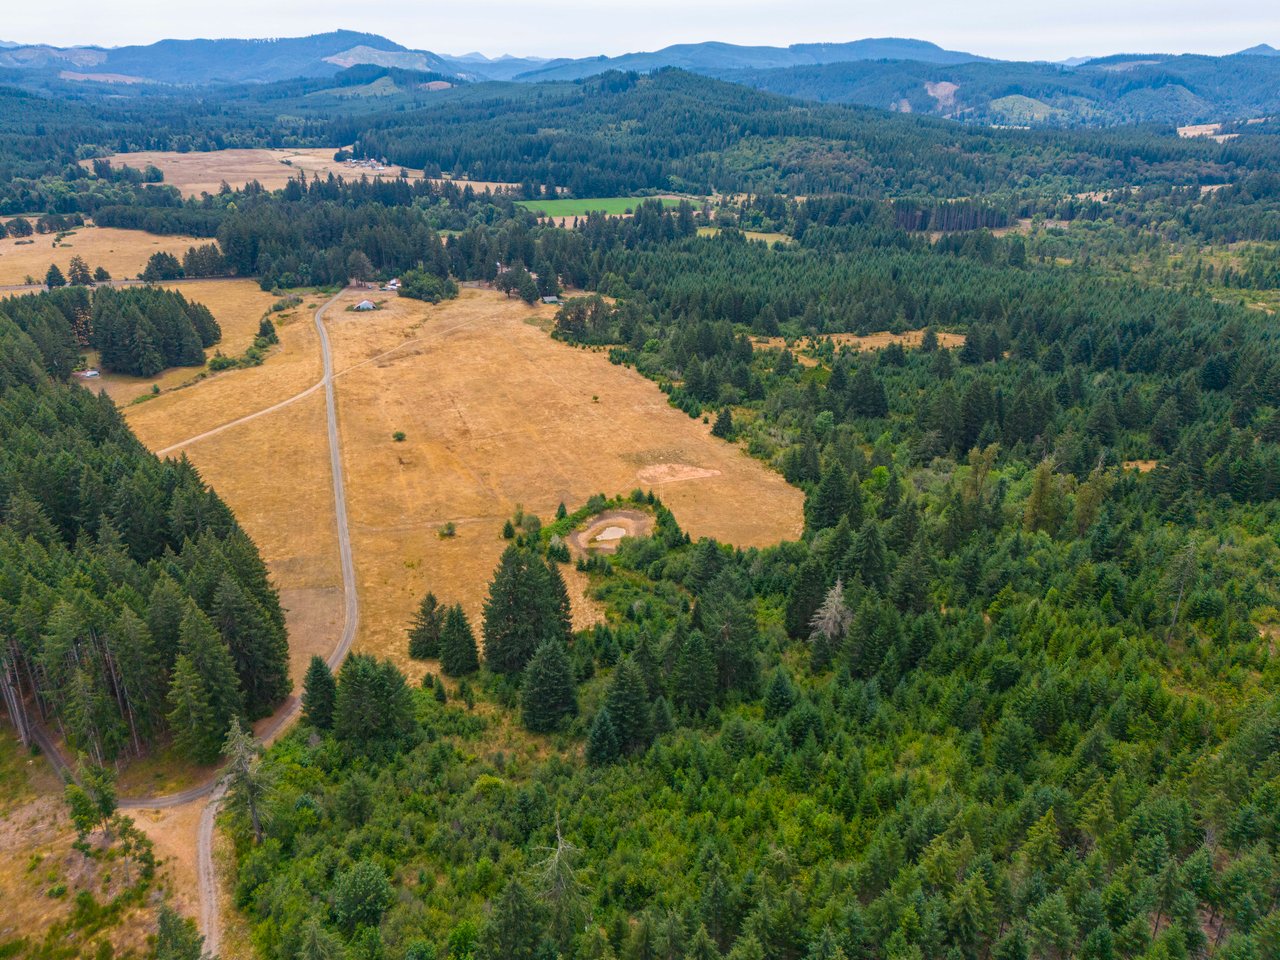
197, 173
124, 253
273, 470
496, 414
37, 859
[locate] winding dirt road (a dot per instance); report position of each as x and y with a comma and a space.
210, 918
215, 789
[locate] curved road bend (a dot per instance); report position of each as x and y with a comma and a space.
215, 789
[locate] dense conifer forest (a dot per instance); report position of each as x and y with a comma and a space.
134, 608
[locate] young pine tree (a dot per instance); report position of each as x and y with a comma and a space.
204, 695
258, 647
319, 691
695, 680
458, 654
548, 695
602, 740
628, 704
424, 633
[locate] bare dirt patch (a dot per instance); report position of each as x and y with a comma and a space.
606, 530
196, 173
123, 253
660, 473
944, 92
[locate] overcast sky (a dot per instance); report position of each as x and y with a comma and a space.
1034, 29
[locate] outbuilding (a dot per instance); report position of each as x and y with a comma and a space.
366, 305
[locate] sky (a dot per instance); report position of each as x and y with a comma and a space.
1033, 29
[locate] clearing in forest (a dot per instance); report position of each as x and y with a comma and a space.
495, 414
855, 342
610, 206
195, 173
123, 253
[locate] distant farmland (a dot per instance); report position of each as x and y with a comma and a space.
612, 206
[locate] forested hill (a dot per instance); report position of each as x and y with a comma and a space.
134, 610
677, 130
712, 57
1114, 90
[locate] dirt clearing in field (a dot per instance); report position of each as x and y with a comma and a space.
660, 473
603, 532
123, 253
204, 172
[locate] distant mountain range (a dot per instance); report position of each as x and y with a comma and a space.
891, 73
199, 62
714, 57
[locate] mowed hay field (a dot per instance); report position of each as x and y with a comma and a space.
124, 253
496, 414
237, 305
204, 172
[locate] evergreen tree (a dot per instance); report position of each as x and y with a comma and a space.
177, 937
204, 695
563, 607
516, 928
868, 559
830, 501
373, 709
258, 648
548, 694
730, 625
53, 277
458, 654
695, 677
723, 427
602, 740
781, 695
191, 715
319, 693
424, 632
78, 273
806, 595
527, 604
248, 781
628, 704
